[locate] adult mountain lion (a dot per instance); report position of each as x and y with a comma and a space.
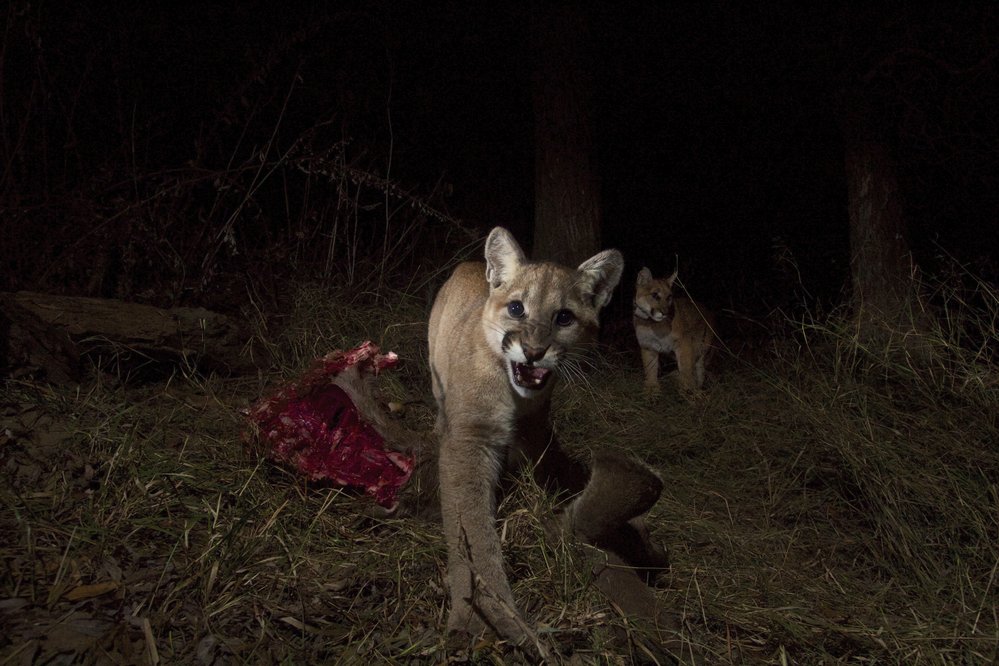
666, 323
499, 333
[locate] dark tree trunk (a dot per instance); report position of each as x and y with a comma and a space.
883, 273
566, 186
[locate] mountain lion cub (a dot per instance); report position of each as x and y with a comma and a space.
500, 332
666, 323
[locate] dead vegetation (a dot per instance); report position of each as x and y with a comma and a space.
823, 504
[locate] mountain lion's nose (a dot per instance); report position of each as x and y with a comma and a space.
533, 354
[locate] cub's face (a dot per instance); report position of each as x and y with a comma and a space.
539, 314
653, 298
535, 321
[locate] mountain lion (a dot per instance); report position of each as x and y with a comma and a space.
666, 323
499, 334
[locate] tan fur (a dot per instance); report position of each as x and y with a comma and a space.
665, 324
486, 421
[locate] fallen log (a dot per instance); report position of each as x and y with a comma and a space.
50, 336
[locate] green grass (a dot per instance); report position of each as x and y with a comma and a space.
824, 503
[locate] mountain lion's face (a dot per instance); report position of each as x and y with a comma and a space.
653, 298
536, 321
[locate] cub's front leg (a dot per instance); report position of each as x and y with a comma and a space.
470, 463
650, 363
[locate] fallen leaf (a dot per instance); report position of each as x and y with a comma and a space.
207, 647
298, 624
77, 633
81, 592
12, 604
151, 653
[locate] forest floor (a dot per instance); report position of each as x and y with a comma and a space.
823, 504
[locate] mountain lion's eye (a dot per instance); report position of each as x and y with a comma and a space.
516, 309
564, 317
655, 295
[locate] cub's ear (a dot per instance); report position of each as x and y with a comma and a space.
644, 276
503, 257
600, 274
672, 278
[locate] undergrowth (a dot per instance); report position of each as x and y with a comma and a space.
824, 503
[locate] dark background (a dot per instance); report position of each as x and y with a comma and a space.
717, 124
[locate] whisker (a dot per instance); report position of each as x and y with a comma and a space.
569, 368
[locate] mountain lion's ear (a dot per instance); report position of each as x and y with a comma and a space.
600, 274
503, 257
644, 276
672, 278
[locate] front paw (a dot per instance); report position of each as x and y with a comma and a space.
459, 642
464, 626
463, 646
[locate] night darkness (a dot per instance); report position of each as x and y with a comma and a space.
718, 143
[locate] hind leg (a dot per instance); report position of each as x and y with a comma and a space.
685, 367
699, 370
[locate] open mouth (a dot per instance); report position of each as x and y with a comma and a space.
529, 376
642, 313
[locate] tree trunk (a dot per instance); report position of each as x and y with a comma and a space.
883, 273
566, 186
